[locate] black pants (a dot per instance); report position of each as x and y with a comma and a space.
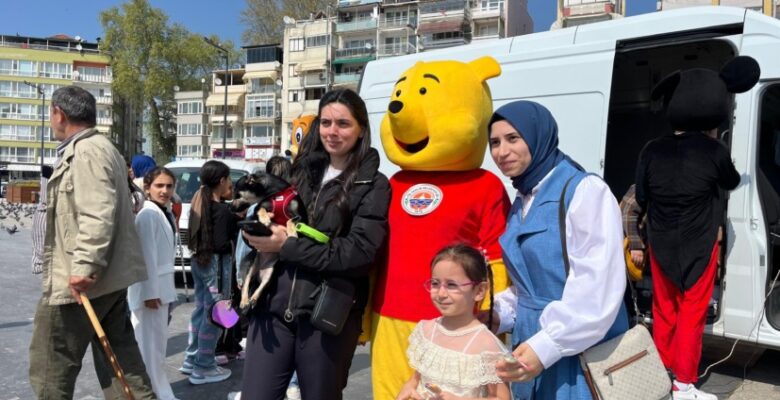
275, 349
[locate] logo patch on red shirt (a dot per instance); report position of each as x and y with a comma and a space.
421, 199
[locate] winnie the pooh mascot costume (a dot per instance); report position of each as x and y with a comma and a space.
435, 129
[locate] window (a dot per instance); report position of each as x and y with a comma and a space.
17, 154
317, 41
292, 72
447, 35
189, 151
315, 93
359, 44
56, 70
487, 30
217, 132
294, 96
260, 85
261, 106
263, 54
260, 131
22, 111
188, 129
491, 4
190, 107
296, 44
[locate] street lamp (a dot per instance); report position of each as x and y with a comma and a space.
225, 53
41, 92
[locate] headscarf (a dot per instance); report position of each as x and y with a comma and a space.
539, 130
142, 164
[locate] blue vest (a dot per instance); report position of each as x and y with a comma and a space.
534, 259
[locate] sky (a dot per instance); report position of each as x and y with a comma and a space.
43, 18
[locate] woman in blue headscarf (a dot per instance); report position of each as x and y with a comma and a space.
555, 310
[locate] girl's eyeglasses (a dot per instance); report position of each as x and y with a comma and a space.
433, 285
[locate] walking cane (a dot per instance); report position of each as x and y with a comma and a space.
183, 271
106, 346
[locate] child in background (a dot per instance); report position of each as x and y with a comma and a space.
454, 356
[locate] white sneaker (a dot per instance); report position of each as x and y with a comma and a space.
293, 393
234, 396
218, 374
692, 394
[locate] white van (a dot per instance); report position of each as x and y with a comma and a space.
187, 183
596, 79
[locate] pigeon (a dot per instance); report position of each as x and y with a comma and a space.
12, 230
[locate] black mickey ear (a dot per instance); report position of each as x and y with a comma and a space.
666, 87
740, 74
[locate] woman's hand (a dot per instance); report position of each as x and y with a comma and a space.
153, 303
268, 244
527, 367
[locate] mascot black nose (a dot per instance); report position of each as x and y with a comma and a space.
395, 106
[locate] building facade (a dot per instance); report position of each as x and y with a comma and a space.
192, 122
767, 7
233, 84
581, 12
263, 108
50, 63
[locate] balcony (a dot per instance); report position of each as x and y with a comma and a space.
263, 113
431, 42
486, 12
105, 100
395, 49
104, 121
22, 116
18, 159
315, 79
397, 23
444, 9
356, 25
352, 3
354, 55
92, 78
347, 78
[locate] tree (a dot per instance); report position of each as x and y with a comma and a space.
264, 18
150, 57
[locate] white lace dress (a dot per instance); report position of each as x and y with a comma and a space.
460, 362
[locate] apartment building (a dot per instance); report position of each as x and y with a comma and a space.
580, 12
263, 109
50, 63
767, 7
356, 38
308, 51
226, 137
192, 122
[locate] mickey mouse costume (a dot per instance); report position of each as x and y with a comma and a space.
680, 181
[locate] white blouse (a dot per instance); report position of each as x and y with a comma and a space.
595, 286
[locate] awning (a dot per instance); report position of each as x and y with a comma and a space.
218, 99
441, 26
353, 60
311, 66
260, 74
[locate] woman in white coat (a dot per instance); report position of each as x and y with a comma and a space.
149, 299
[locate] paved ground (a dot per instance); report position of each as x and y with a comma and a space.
19, 291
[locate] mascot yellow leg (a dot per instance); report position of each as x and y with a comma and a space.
389, 366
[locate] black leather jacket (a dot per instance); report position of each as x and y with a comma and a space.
348, 257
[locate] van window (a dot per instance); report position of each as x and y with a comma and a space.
188, 181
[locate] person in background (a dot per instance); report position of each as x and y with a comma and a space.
91, 248
39, 222
149, 300
212, 228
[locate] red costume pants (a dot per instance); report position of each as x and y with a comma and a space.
679, 317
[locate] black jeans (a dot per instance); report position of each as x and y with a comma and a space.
275, 349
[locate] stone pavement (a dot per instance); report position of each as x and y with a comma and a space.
19, 292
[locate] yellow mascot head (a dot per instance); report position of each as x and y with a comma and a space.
438, 114
300, 128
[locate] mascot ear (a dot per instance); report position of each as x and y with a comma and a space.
485, 68
666, 87
740, 74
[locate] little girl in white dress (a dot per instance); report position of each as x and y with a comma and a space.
454, 356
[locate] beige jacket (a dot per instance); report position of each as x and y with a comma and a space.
90, 222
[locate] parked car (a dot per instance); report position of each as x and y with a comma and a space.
187, 174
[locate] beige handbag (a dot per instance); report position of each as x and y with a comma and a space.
627, 366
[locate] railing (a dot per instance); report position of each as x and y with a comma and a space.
316, 79
389, 23
347, 3
356, 25
4, 42
260, 112
486, 12
396, 49
16, 72
430, 43
353, 52
19, 95
103, 99
18, 159
104, 121
94, 78
16, 136
443, 6
351, 77
24, 117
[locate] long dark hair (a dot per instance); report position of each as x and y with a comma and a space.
211, 173
474, 264
312, 161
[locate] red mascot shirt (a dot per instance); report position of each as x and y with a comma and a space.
428, 211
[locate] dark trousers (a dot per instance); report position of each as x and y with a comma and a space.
60, 338
275, 349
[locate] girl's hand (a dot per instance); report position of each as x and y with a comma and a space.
525, 369
268, 244
408, 392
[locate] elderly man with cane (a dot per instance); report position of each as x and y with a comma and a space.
90, 249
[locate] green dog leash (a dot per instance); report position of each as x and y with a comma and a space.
311, 233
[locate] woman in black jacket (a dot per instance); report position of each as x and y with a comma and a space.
336, 175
